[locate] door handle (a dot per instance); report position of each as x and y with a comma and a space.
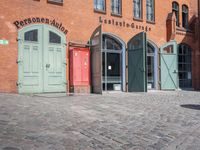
47, 65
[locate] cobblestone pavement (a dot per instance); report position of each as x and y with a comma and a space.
117, 121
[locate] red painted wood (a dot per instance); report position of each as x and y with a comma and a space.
79, 67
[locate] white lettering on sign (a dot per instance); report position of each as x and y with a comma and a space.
4, 42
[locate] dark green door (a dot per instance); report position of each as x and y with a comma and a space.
96, 60
137, 77
169, 66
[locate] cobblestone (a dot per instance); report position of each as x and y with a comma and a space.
119, 121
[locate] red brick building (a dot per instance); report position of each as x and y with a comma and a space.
140, 44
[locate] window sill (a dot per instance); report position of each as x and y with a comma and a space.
116, 15
138, 19
99, 11
55, 3
151, 22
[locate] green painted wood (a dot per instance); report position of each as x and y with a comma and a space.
137, 78
96, 60
169, 66
54, 62
30, 62
33, 57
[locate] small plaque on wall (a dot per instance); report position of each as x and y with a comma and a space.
4, 42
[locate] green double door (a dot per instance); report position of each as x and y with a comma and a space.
41, 60
137, 64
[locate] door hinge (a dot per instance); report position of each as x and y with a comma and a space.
18, 39
18, 61
65, 63
18, 84
65, 83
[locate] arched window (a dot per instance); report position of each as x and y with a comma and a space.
137, 9
111, 64
116, 7
185, 16
150, 10
99, 5
175, 9
110, 43
185, 66
54, 38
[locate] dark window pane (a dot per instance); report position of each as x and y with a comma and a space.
150, 49
113, 65
31, 35
168, 49
185, 16
150, 10
111, 44
54, 38
116, 7
103, 65
175, 9
56, 1
185, 66
137, 9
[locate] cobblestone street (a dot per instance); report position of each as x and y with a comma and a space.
114, 121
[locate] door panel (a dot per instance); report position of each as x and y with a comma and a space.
169, 66
30, 60
54, 61
137, 78
96, 61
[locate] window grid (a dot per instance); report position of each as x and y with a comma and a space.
99, 5
150, 10
116, 7
137, 9
185, 66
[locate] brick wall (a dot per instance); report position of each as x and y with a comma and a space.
79, 18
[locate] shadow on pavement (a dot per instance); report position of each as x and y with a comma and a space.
191, 106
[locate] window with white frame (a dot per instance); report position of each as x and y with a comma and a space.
99, 5
137, 9
116, 7
150, 10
